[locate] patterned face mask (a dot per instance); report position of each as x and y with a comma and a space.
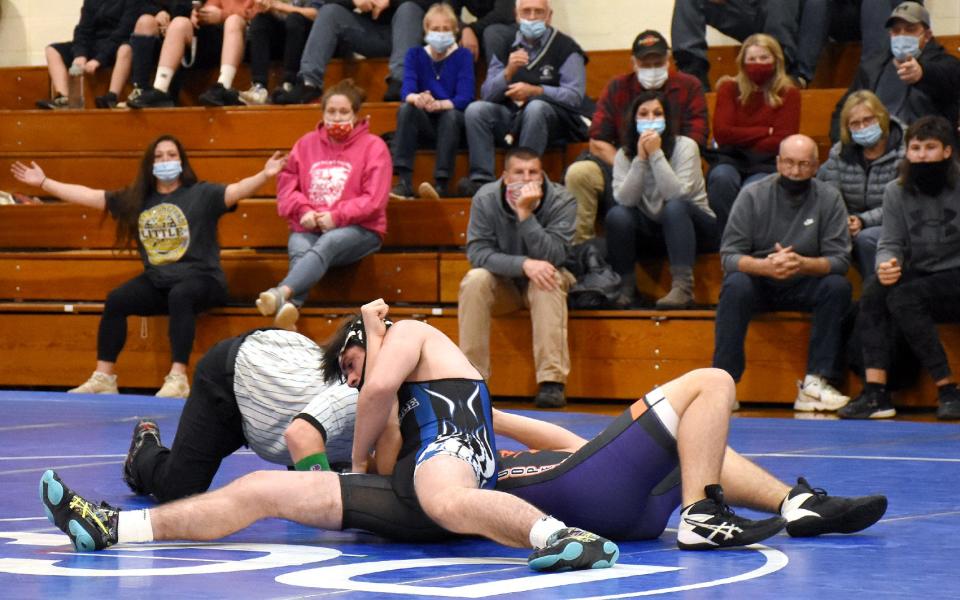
338, 131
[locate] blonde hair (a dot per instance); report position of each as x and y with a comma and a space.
779, 81
444, 10
870, 100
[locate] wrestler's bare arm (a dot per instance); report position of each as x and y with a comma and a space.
535, 434
398, 358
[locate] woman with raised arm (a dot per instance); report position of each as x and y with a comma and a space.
172, 218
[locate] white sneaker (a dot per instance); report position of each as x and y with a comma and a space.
99, 383
175, 385
815, 393
256, 95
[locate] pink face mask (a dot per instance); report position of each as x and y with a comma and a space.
339, 131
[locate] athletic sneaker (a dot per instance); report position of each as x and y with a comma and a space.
300, 93
89, 526
57, 103
401, 191
816, 393
108, 100
869, 405
573, 549
219, 95
144, 432
99, 383
810, 511
285, 88
151, 98
948, 400
255, 96
175, 385
709, 524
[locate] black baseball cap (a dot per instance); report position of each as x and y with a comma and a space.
649, 42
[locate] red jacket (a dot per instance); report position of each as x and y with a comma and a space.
748, 125
351, 180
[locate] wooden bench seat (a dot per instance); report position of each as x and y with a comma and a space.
614, 354
88, 275
20, 87
255, 224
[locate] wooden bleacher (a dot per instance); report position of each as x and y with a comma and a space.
57, 262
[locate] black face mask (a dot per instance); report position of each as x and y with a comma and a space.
794, 187
929, 177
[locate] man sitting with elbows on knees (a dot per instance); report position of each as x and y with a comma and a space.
518, 238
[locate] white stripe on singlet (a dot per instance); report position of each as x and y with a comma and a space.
277, 375
664, 410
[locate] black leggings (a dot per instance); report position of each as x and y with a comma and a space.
914, 305
139, 296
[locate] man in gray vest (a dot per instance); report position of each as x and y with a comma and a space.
531, 97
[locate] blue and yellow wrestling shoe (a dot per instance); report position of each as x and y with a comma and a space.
572, 549
89, 526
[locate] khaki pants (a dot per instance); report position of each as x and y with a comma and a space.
585, 181
484, 295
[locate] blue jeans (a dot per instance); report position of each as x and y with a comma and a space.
335, 26
311, 255
440, 130
487, 124
782, 19
724, 182
683, 227
742, 295
497, 39
865, 250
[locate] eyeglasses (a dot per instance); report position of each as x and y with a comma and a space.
803, 165
861, 123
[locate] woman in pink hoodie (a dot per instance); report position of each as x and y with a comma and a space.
333, 193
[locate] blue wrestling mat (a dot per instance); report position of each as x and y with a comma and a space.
911, 553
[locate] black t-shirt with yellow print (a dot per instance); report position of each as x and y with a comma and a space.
177, 233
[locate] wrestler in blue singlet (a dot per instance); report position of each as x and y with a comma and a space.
445, 416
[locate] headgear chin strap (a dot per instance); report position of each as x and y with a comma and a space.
357, 336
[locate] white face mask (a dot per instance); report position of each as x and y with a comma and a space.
653, 78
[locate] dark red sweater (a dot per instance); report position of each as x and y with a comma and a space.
748, 125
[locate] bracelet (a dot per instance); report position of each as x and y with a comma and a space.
43, 182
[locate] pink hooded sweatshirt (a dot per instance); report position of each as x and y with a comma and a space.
351, 180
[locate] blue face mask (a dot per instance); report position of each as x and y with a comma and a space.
657, 125
440, 41
904, 46
868, 136
532, 30
167, 171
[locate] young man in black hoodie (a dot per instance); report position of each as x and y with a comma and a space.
917, 282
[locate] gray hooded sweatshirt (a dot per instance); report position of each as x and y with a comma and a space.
499, 243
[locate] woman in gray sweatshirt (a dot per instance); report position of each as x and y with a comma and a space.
661, 199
